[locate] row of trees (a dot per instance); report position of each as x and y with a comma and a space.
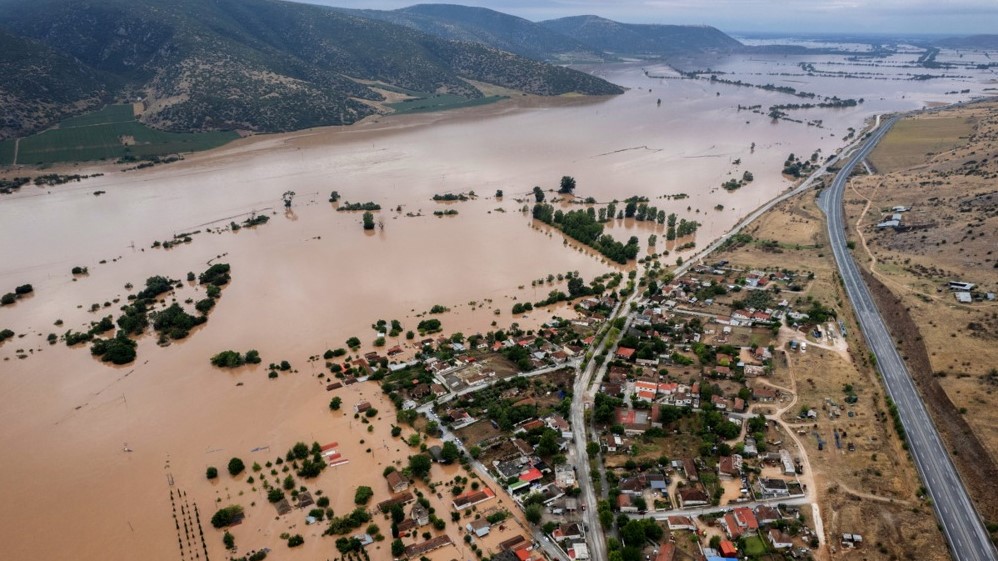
582, 225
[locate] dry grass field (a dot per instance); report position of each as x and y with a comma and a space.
914, 142
950, 233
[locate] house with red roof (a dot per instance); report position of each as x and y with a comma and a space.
728, 549
625, 353
532, 474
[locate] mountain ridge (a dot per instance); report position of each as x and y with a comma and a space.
637, 39
255, 65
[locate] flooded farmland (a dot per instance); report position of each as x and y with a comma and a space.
312, 277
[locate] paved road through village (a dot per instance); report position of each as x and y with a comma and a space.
964, 530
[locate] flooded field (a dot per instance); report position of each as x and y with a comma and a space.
311, 278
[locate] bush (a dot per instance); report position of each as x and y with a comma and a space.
353, 343
24, 289
371, 412
229, 540
217, 274
236, 467
275, 495
228, 359
211, 472
8, 299
335, 403
295, 540
252, 356
363, 495
119, 350
227, 516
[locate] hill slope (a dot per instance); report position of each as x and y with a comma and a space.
259, 65
643, 40
969, 42
57, 85
487, 27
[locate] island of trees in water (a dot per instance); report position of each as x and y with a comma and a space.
171, 323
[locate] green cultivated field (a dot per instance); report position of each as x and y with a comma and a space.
6, 151
106, 135
440, 102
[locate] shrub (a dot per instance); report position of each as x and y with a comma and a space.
119, 350
295, 540
24, 289
363, 495
227, 516
236, 467
228, 359
211, 472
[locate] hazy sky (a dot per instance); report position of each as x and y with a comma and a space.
855, 16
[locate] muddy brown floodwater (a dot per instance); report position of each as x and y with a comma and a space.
311, 278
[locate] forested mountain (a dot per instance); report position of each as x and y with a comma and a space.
41, 86
260, 65
643, 39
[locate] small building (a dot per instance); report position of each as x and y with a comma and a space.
396, 482
624, 503
399, 499
691, 497
766, 515
625, 353
420, 515
773, 488
472, 498
729, 467
429, 545
788, 463
728, 549
578, 551
479, 527
361, 407
779, 539
963, 297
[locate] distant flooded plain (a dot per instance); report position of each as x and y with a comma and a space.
311, 278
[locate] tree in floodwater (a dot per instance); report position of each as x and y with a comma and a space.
368, 221
288, 197
567, 185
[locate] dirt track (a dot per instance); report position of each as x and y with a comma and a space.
976, 466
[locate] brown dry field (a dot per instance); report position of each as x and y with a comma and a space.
912, 140
872, 490
952, 348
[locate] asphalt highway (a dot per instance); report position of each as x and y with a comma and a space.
964, 530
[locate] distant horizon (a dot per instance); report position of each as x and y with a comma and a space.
902, 18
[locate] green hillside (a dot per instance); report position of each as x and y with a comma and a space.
256, 65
